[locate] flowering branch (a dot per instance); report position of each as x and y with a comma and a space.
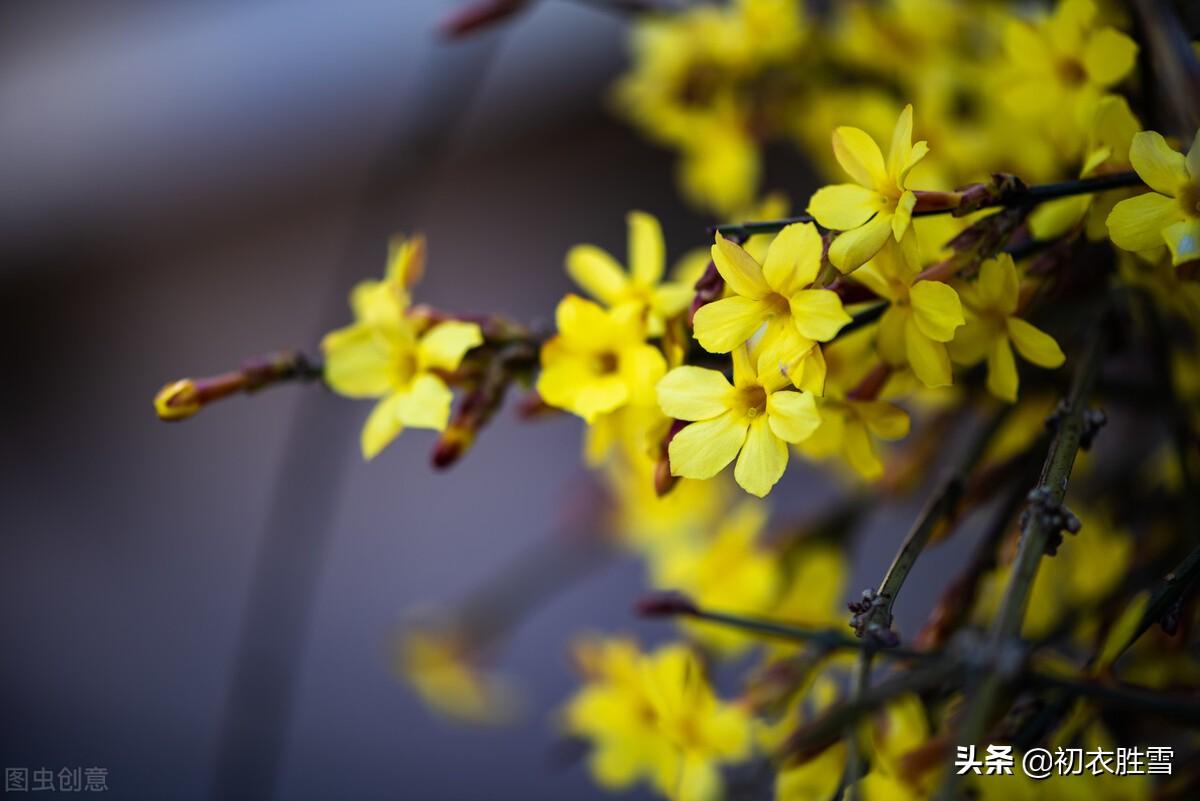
181, 399
1004, 191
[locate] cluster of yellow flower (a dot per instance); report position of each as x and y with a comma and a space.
908, 290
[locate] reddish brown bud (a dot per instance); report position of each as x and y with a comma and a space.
665, 604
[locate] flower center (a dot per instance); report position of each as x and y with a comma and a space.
777, 305
406, 367
606, 363
1072, 72
1189, 200
752, 400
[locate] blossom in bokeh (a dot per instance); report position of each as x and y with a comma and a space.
643, 287
654, 717
993, 329
730, 571
920, 319
1112, 130
599, 360
1058, 67
389, 356
439, 664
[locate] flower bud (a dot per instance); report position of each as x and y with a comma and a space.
178, 400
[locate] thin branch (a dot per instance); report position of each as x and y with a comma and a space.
941, 506
1148, 702
181, 399
1056, 471
979, 196
672, 604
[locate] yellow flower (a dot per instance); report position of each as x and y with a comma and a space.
879, 204
1112, 132
388, 359
642, 288
920, 318
655, 717
372, 300
1059, 68
993, 329
777, 293
439, 666
848, 428
599, 361
756, 416
1170, 214
730, 573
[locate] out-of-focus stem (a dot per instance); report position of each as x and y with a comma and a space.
1056, 472
181, 399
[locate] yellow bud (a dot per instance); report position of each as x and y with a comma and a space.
178, 400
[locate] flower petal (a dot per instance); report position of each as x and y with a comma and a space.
703, 449
971, 342
1053, 219
818, 313
889, 339
383, 425
860, 451
641, 366
1163, 169
884, 419
901, 145
1002, 370
1193, 158
1138, 223
844, 206
673, 298
445, 344
1183, 238
580, 320
763, 459
597, 273
859, 156
928, 358
1109, 56
793, 259
694, 393
903, 215
647, 253
740, 271
426, 404
808, 372
360, 361
724, 324
854, 248
1034, 344
937, 311
793, 415
998, 288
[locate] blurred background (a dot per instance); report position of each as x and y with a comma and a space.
184, 185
